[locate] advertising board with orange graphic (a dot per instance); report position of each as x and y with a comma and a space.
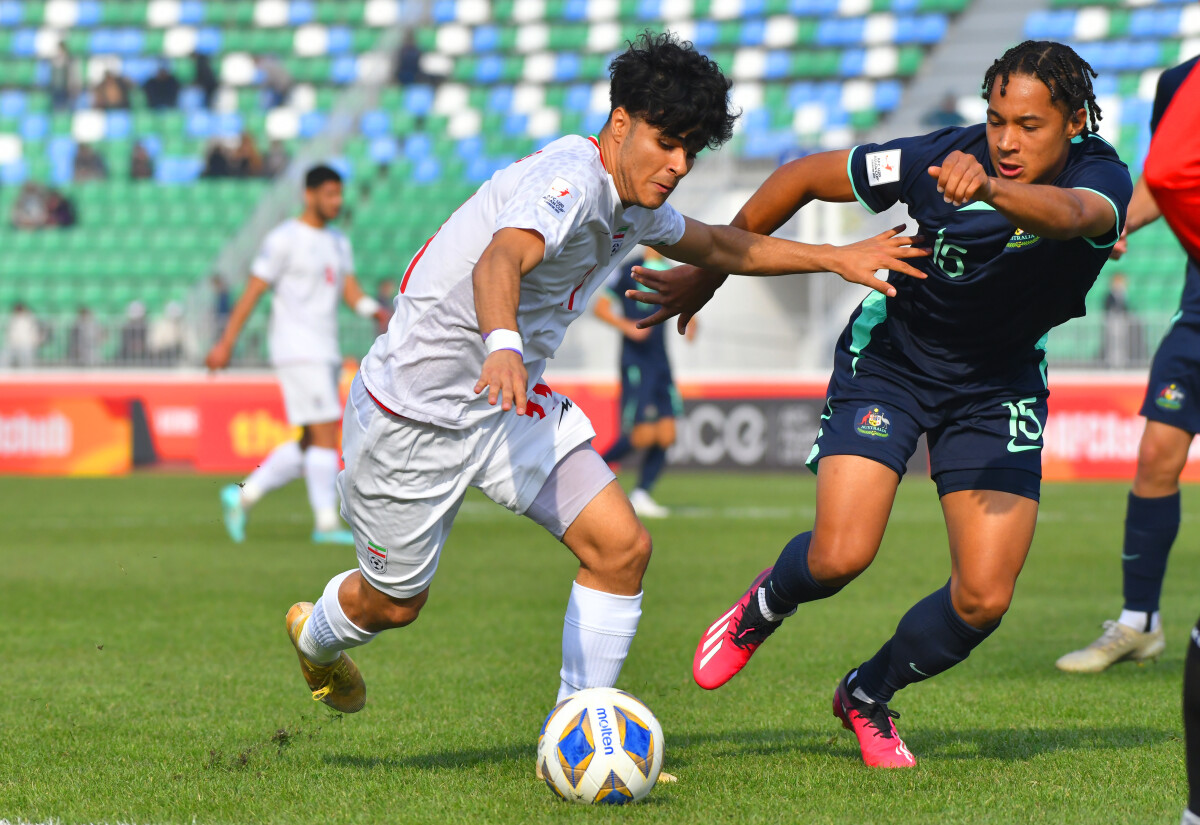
45, 435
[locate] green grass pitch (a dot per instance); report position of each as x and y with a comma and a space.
147, 676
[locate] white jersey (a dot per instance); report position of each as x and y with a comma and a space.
426, 365
306, 268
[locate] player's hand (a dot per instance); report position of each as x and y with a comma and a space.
681, 290
507, 381
961, 179
219, 356
1120, 247
633, 332
859, 262
382, 316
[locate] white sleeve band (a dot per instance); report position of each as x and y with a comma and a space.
366, 306
499, 339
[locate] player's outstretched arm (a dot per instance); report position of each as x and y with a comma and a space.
363, 304
1049, 211
1143, 210
511, 255
222, 351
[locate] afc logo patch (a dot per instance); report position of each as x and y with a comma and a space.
1170, 398
559, 198
872, 422
377, 556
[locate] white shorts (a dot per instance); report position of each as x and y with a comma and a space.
310, 393
405, 480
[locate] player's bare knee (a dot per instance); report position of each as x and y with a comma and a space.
982, 607
836, 564
621, 563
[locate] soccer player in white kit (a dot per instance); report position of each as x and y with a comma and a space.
309, 266
452, 395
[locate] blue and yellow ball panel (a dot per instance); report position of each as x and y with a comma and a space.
546, 779
636, 739
549, 716
613, 791
576, 748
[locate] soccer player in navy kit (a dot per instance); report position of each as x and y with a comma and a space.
1020, 213
649, 401
1152, 514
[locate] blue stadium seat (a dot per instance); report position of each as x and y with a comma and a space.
34, 127
191, 12
199, 124
500, 98
383, 149
481, 168
418, 146
800, 93
444, 11
840, 31
753, 32
578, 98
649, 9
375, 124
13, 103
566, 67
87, 13
813, 8
426, 170
1050, 25
593, 122
344, 70
177, 169
340, 41
779, 65
1152, 22
516, 125
301, 12
489, 69
342, 166
485, 38
12, 174
191, 98
139, 69
311, 123
118, 125
24, 43
887, 95
470, 147
852, 63
575, 11
706, 34
208, 40
11, 13
418, 100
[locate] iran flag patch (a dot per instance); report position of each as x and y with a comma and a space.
560, 197
883, 167
377, 556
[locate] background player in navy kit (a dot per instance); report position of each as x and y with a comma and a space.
1021, 213
1172, 414
649, 401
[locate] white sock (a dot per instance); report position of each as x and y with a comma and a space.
320, 474
282, 465
597, 632
1189, 818
1137, 620
328, 632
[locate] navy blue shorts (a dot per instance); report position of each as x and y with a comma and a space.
976, 442
1174, 387
648, 394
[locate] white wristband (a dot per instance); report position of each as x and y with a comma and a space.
366, 306
499, 339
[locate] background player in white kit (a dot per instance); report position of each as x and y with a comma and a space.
309, 266
481, 307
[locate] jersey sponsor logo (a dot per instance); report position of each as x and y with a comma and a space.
377, 556
1023, 240
559, 198
883, 167
1170, 398
872, 422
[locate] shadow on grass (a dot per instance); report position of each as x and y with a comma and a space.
932, 743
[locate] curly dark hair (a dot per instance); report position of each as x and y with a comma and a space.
1067, 75
320, 174
671, 86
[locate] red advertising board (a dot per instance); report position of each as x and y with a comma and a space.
80, 422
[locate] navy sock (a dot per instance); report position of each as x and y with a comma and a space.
791, 582
652, 466
618, 450
1151, 525
931, 638
1191, 718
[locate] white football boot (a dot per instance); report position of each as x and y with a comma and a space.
1118, 643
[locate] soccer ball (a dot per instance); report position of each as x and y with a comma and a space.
600, 745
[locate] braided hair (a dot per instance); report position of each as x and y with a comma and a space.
1067, 75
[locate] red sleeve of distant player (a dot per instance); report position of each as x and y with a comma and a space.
1172, 168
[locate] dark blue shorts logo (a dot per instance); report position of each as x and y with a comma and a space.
872, 422
1170, 397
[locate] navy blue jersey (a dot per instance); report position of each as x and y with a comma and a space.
1168, 84
652, 350
994, 290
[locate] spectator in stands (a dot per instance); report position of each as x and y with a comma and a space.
85, 339
245, 159
64, 78
30, 210
1122, 332
217, 162
164, 340
141, 165
60, 212
275, 80
112, 92
204, 77
276, 159
133, 334
385, 294
408, 63
22, 338
222, 303
88, 165
946, 114
162, 89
